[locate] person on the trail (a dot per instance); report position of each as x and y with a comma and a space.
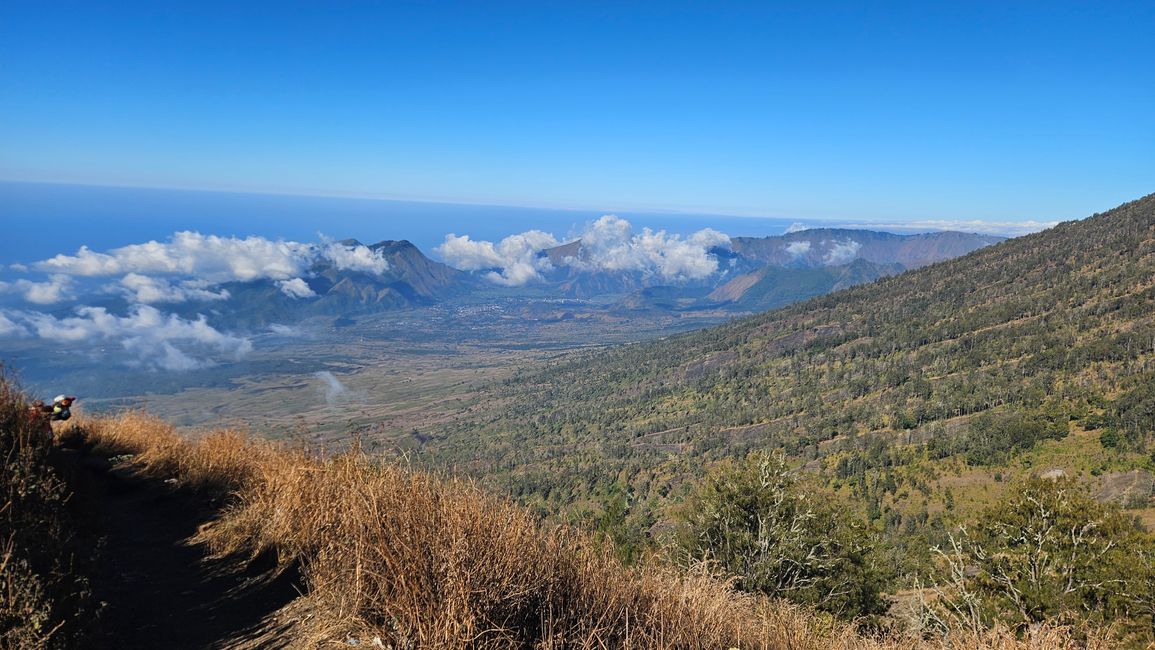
41, 416
61, 407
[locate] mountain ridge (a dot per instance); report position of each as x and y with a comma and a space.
413, 280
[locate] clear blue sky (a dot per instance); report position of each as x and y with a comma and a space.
877, 111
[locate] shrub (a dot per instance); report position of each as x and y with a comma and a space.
396, 557
755, 521
1048, 552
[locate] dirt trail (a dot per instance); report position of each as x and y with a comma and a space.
153, 590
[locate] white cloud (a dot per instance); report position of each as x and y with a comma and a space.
215, 259
10, 328
841, 252
608, 244
354, 258
56, 289
156, 340
516, 257
284, 330
205, 257
467, 254
149, 290
202, 262
796, 227
709, 238
296, 288
798, 248
18, 267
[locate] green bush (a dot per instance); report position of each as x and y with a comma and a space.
993, 438
760, 526
1050, 552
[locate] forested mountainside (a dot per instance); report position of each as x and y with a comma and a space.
913, 397
776, 286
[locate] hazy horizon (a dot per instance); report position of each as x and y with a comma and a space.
46, 219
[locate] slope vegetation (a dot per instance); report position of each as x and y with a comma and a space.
391, 557
1037, 349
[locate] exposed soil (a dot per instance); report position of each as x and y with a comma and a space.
151, 588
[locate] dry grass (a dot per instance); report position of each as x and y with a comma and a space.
416, 561
44, 596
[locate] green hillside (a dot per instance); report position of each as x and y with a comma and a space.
914, 398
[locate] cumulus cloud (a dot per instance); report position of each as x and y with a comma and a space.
216, 259
353, 258
154, 339
516, 259
610, 244
841, 252
57, 289
296, 288
207, 257
10, 328
149, 290
607, 244
796, 227
468, 254
798, 248
188, 265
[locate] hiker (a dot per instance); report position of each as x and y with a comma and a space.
61, 407
41, 416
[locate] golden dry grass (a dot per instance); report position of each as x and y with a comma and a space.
399, 558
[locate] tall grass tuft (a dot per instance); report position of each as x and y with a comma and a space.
399, 558
42, 589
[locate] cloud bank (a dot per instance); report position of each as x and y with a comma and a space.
154, 339
608, 244
55, 290
515, 260
188, 267
149, 290
214, 260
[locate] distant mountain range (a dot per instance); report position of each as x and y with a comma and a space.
412, 280
826, 246
753, 274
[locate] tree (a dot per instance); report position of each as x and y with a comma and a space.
752, 518
1048, 551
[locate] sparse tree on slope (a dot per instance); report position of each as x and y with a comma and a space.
755, 521
1048, 552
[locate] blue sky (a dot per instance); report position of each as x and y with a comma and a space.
871, 112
